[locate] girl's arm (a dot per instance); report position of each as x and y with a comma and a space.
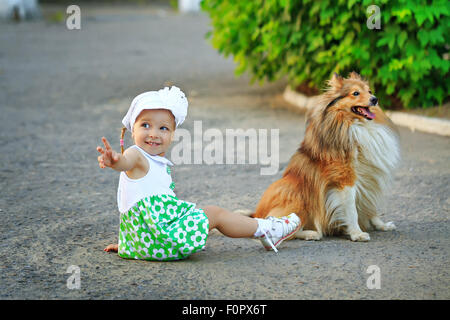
117, 161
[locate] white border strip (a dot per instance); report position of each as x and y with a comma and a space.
413, 122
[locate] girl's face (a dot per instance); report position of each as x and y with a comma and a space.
153, 131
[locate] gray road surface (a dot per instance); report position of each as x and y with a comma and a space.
61, 90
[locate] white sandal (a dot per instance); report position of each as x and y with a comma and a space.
289, 225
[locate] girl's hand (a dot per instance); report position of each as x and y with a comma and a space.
112, 248
108, 157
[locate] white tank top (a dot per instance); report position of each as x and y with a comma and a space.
157, 181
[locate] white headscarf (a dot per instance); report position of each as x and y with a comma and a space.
172, 99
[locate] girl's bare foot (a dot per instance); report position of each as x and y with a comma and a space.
112, 248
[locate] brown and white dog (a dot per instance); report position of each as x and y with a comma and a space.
345, 162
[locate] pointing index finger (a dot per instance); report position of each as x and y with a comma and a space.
106, 143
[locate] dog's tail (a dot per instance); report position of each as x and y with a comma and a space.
245, 212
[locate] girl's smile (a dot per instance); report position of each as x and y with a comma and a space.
153, 144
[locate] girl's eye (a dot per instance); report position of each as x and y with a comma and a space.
146, 125
164, 128
356, 93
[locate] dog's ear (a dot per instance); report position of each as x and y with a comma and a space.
354, 75
335, 81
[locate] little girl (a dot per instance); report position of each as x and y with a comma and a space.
154, 223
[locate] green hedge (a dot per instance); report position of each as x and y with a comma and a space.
406, 61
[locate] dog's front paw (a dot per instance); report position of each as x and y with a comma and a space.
381, 226
308, 235
359, 236
389, 226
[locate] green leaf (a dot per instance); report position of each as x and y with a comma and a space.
423, 37
402, 38
402, 13
350, 3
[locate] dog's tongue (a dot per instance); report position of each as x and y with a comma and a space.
367, 113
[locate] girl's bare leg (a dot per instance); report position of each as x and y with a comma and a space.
230, 223
112, 248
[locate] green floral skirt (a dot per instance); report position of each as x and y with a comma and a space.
162, 228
